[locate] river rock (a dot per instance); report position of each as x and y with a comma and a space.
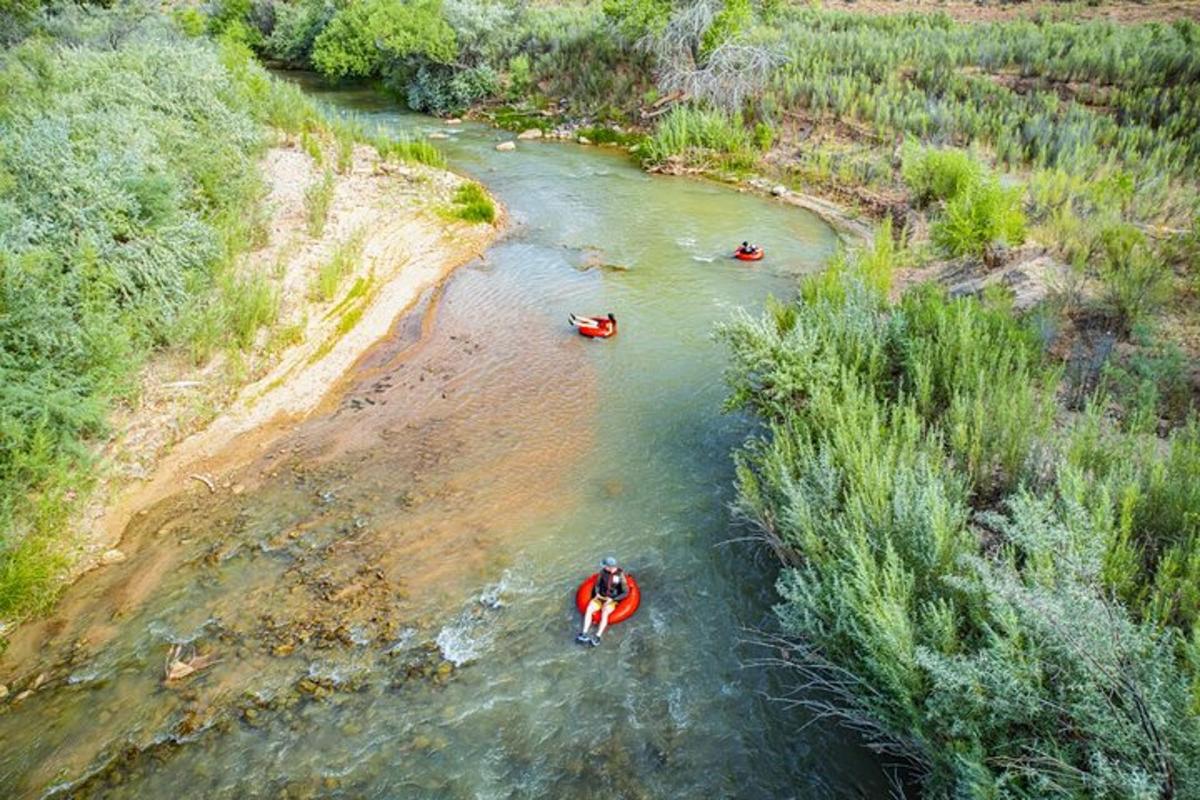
113, 556
779, 190
3, 691
453, 121
584, 140
439, 135
531, 133
506, 146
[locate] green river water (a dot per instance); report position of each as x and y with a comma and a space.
390, 597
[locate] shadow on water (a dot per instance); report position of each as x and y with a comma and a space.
387, 587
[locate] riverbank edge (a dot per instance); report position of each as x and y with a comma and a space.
250, 409
853, 228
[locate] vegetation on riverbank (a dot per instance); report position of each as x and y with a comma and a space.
992, 557
1005, 602
1088, 127
129, 187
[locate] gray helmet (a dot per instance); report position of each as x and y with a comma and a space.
609, 562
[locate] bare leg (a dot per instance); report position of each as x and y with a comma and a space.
608, 609
592, 608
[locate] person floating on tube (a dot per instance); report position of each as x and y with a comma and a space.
612, 586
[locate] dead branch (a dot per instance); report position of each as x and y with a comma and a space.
207, 481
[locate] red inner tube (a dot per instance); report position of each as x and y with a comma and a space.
624, 609
605, 329
755, 256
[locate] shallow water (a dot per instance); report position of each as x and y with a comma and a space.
390, 596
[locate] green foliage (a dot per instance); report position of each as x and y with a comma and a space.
190, 21
345, 137
318, 198
519, 77
764, 136
934, 175
331, 273
250, 304
415, 151
363, 38
128, 183
979, 218
441, 89
635, 19
986, 649
700, 137
1136, 283
295, 31
732, 20
472, 203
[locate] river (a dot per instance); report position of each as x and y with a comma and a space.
389, 597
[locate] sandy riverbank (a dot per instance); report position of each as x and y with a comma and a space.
198, 423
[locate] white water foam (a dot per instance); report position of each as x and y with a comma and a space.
463, 641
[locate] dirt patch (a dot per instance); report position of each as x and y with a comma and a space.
1029, 272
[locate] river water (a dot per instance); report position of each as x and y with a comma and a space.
389, 593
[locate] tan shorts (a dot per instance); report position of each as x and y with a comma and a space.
603, 602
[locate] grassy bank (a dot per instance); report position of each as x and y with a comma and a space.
129, 187
997, 595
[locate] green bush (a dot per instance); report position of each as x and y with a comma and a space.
979, 219
1136, 283
362, 39
472, 203
934, 175
128, 183
985, 650
700, 137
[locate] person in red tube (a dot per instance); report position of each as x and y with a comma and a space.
748, 249
611, 588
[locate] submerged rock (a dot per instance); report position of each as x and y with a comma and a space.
506, 146
531, 133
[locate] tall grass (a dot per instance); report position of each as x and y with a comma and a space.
700, 137
473, 204
332, 272
413, 151
318, 199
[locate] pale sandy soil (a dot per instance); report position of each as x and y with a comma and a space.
203, 421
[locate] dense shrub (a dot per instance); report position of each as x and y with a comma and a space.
128, 182
1136, 282
985, 649
365, 39
979, 218
936, 175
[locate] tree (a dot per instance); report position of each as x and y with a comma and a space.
366, 39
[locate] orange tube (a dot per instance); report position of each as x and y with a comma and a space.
624, 609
